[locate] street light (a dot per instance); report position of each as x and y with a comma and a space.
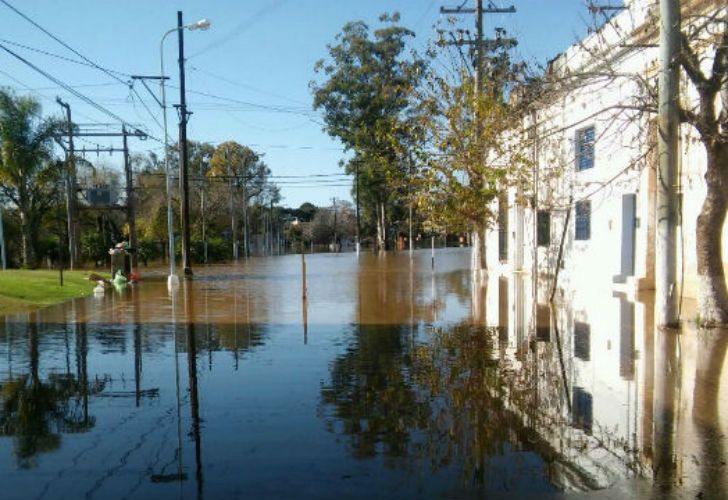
202, 24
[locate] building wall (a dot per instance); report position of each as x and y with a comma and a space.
624, 164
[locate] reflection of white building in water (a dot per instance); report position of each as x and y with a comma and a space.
614, 397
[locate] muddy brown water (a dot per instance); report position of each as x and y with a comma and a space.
390, 380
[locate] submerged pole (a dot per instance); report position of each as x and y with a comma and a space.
667, 179
433, 251
303, 275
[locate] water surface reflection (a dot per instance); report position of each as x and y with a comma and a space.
389, 380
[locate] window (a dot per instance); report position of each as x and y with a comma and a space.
584, 149
582, 341
543, 223
583, 220
543, 323
583, 412
503, 228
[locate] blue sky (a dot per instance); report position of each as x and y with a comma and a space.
254, 64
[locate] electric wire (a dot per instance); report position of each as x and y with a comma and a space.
54, 37
88, 61
72, 91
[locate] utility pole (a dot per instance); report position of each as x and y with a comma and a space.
246, 243
130, 209
3, 255
409, 188
336, 247
270, 229
358, 222
70, 189
478, 256
667, 176
183, 153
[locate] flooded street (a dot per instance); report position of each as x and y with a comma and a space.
390, 380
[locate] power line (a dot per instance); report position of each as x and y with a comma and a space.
70, 89
58, 56
88, 61
245, 85
54, 37
63, 85
240, 28
280, 109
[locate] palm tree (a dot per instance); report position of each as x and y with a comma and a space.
27, 172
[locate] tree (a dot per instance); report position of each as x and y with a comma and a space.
246, 174
708, 114
200, 157
476, 150
28, 176
365, 102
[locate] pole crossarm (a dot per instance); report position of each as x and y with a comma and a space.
144, 78
471, 10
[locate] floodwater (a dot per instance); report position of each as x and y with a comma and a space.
390, 380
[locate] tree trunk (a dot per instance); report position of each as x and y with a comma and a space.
713, 295
233, 222
26, 240
478, 263
381, 229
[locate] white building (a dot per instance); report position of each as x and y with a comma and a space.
595, 164
599, 364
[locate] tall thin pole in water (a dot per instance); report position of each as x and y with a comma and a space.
358, 223
667, 179
173, 296
3, 257
303, 275
192, 376
433, 251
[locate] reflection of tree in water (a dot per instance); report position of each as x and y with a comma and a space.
470, 422
373, 395
437, 402
36, 412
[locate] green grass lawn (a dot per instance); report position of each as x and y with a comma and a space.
21, 290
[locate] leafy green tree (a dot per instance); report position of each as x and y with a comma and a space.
28, 176
248, 178
366, 100
478, 153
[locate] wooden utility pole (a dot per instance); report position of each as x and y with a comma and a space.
183, 153
3, 253
478, 257
666, 299
336, 247
130, 209
358, 221
71, 190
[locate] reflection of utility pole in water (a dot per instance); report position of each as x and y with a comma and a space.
412, 301
648, 387
137, 329
304, 308
81, 361
235, 323
192, 375
667, 381
9, 340
180, 475
304, 297
712, 346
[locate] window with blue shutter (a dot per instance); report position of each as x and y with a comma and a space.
583, 220
585, 148
543, 224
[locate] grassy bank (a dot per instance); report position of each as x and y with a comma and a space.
21, 290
